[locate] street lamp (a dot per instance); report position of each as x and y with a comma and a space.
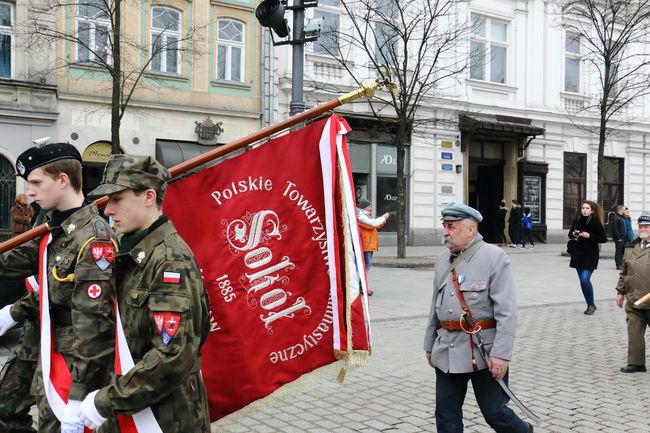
270, 13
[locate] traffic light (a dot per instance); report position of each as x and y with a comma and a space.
270, 13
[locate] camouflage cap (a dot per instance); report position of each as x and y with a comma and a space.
135, 172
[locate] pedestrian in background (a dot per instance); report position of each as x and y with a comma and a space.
588, 231
628, 225
21, 215
527, 228
514, 224
619, 235
163, 308
471, 275
501, 224
368, 227
633, 285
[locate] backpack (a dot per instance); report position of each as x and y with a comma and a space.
527, 222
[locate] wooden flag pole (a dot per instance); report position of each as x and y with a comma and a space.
367, 90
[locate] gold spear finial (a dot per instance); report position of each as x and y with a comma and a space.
367, 90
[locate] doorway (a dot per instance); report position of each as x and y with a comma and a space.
7, 196
485, 184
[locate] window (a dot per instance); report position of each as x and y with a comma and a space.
385, 44
329, 13
575, 179
6, 39
488, 49
93, 31
328, 42
613, 182
386, 10
572, 63
230, 50
165, 40
386, 38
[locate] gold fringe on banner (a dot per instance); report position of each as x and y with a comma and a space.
352, 358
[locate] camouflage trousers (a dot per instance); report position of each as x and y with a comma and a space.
16, 377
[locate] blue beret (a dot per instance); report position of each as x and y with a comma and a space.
35, 157
644, 219
460, 211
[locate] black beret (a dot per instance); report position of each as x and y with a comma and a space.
35, 157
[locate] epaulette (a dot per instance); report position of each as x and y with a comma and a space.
102, 232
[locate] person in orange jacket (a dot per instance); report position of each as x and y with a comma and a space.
368, 227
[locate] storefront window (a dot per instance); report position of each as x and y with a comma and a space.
360, 186
387, 200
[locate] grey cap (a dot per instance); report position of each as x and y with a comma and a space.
460, 211
644, 219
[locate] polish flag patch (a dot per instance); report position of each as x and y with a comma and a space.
172, 277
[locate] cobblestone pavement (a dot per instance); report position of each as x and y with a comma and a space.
565, 365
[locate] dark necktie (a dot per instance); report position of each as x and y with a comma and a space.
645, 244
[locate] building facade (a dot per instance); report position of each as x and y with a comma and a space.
28, 99
515, 129
197, 64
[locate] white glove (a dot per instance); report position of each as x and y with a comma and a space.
6, 321
71, 422
88, 412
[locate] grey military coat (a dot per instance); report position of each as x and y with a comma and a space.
489, 290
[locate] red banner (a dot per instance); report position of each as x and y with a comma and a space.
272, 232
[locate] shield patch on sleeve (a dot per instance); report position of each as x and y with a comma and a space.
167, 324
103, 254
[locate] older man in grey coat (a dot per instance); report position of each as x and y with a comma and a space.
484, 281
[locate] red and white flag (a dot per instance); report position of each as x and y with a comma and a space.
281, 260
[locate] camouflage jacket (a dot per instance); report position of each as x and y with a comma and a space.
82, 290
165, 316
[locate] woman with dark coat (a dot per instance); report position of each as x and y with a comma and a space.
21, 215
587, 231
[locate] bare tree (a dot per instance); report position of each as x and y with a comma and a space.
99, 41
412, 44
613, 37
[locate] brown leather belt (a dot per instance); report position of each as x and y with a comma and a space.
454, 325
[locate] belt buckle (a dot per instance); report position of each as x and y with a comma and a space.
476, 328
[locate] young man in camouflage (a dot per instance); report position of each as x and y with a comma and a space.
79, 277
163, 307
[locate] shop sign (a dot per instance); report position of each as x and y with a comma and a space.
208, 131
447, 156
97, 152
387, 159
446, 167
531, 187
447, 144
